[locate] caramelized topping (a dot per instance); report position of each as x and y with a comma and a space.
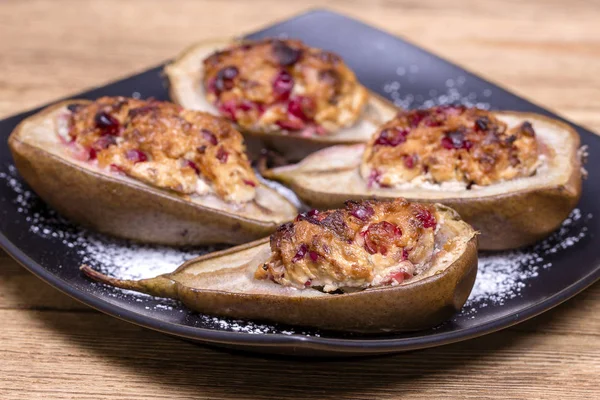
271, 85
449, 144
165, 146
365, 244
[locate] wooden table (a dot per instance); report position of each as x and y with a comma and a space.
53, 347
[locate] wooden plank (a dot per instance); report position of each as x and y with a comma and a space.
62, 354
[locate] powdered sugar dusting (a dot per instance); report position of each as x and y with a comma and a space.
133, 261
454, 93
504, 275
250, 327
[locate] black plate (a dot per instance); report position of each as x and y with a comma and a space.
532, 281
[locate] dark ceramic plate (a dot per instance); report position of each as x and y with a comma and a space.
512, 287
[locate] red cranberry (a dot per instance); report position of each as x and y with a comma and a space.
246, 105
283, 85
107, 123
93, 154
455, 140
228, 72
209, 137
314, 256
415, 117
250, 183
224, 79
294, 124
409, 161
300, 253
136, 156
192, 165
211, 86
312, 214
432, 122
426, 218
73, 107
319, 130
285, 54
404, 254
482, 124
374, 177
117, 169
260, 107
510, 140
399, 276
379, 234
527, 129
222, 155
447, 143
364, 212
104, 142
228, 109
392, 137
299, 105
146, 109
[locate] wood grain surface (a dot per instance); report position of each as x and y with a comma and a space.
52, 347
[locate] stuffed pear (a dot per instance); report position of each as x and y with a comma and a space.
146, 170
369, 267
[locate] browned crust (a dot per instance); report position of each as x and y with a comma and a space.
293, 147
118, 208
419, 305
506, 221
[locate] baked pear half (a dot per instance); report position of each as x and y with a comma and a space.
148, 171
369, 267
296, 99
513, 176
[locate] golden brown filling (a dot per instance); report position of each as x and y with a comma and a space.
274, 85
449, 144
365, 244
163, 145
